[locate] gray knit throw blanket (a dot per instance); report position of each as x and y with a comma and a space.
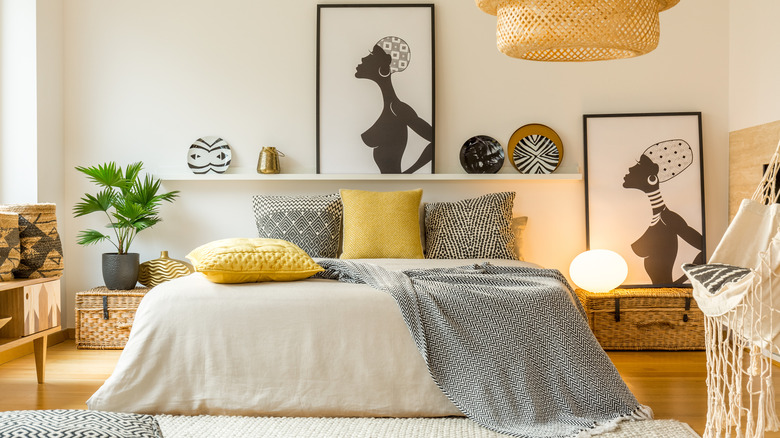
509, 346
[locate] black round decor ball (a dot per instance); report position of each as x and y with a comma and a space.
481, 154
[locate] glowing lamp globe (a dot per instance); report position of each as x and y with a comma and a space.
598, 270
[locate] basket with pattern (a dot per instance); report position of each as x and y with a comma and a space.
104, 317
645, 319
40, 245
10, 250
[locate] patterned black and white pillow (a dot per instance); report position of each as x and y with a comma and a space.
472, 228
311, 222
77, 423
714, 277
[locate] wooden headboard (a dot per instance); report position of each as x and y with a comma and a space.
749, 150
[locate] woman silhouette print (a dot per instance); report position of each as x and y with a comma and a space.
389, 134
658, 245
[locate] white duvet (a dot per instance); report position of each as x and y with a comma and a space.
304, 348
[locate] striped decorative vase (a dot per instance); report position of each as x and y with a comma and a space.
163, 269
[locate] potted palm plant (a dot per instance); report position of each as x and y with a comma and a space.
131, 204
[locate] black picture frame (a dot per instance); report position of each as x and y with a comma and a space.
359, 119
646, 218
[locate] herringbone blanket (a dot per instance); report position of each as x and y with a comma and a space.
509, 346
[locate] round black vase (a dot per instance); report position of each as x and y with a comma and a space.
120, 271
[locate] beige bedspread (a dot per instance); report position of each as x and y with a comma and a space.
305, 348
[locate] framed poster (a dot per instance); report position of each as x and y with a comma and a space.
644, 193
375, 88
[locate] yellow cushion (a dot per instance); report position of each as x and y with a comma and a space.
381, 224
243, 260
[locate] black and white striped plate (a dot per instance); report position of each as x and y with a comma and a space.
535, 149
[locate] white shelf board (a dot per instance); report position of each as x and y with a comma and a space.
245, 176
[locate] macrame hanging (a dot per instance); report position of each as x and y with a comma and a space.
576, 30
736, 290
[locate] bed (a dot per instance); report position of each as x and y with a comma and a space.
306, 348
498, 339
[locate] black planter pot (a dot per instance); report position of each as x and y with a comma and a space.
120, 271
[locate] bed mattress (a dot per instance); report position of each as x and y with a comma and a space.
306, 348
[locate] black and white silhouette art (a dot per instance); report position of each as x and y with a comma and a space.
658, 245
375, 89
389, 134
644, 194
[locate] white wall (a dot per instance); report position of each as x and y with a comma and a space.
31, 125
49, 127
144, 78
31, 133
18, 102
754, 88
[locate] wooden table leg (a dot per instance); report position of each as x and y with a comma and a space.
39, 348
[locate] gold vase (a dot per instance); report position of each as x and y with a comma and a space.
157, 271
268, 161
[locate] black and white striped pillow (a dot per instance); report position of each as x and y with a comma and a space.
472, 228
311, 222
714, 276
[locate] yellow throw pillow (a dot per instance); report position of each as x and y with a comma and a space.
251, 260
381, 224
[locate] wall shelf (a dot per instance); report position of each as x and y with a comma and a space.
246, 176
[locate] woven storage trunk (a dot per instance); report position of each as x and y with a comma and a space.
645, 319
104, 317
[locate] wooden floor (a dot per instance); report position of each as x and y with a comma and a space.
672, 383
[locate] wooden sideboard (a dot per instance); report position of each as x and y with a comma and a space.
34, 310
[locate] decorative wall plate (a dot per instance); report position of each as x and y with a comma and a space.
535, 149
209, 154
481, 154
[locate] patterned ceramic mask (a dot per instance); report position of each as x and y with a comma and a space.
209, 154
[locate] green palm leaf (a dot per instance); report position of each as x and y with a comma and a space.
105, 175
130, 202
91, 237
91, 204
147, 222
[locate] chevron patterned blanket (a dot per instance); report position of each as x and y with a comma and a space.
70, 423
509, 346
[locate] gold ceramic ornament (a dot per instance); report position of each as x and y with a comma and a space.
268, 161
157, 271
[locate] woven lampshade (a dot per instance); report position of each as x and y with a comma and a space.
576, 30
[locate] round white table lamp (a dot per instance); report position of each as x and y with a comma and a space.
598, 270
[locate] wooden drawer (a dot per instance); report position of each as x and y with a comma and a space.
33, 308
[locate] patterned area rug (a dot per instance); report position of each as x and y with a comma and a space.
306, 427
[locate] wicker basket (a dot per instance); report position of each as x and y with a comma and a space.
10, 249
645, 319
104, 317
39, 241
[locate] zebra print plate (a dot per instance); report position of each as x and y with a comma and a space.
536, 149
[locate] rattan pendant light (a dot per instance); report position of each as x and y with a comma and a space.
576, 30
